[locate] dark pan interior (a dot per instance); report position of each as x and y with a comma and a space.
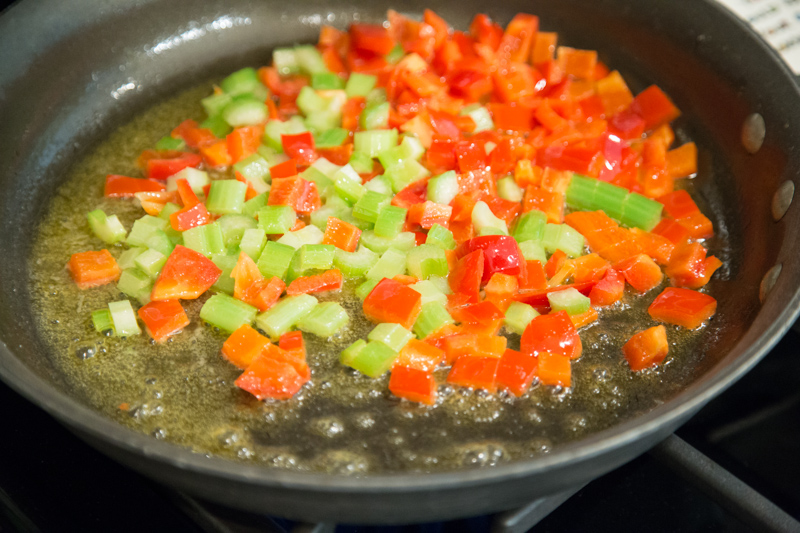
71, 73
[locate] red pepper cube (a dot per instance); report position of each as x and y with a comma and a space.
267, 377
466, 277
491, 345
163, 319
516, 371
554, 369
689, 267
475, 372
477, 313
500, 254
293, 343
552, 333
243, 345
420, 355
413, 384
608, 290
646, 348
299, 147
123, 186
654, 107
295, 359
391, 301
92, 269
161, 169
682, 307
341, 234
641, 272
186, 275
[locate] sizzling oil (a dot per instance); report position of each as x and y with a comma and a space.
183, 391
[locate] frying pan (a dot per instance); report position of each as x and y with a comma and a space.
73, 70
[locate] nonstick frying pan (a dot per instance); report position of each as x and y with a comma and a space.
71, 71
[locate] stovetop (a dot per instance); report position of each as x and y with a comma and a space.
51, 481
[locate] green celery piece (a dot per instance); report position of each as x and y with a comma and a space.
233, 228
394, 336
374, 359
272, 135
285, 61
361, 162
326, 81
374, 142
275, 260
440, 236
309, 59
245, 111
128, 257
360, 84
206, 239
319, 218
569, 300
226, 197
101, 320
285, 314
482, 218
323, 120
375, 116
441, 283
507, 189
443, 188
412, 147
167, 210
354, 264
348, 188
610, 199
405, 173
136, 284
160, 241
330, 138
533, 251
530, 226
170, 143
392, 263
254, 205
217, 125
144, 228
124, 318
580, 193
380, 184
276, 219
363, 290
369, 206
253, 167
215, 103
309, 101
641, 212
390, 221
422, 253
227, 313
349, 354
225, 262
253, 241
197, 179
243, 81
432, 317
430, 292
151, 262
311, 257
564, 238
395, 54
518, 316
490, 230
323, 182
107, 228
306, 235
376, 96
404, 241
325, 167
326, 319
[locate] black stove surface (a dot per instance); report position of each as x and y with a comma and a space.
51, 481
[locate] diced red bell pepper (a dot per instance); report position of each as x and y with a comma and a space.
244, 345
270, 377
646, 348
641, 272
689, 267
341, 234
371, 38
292, 342
554, 369
413, 384
92, 269
553, 333
470, 156
300, 147
500, 254
475, 372
466, 277
161, 169
193, 213
186, 275
477, 313
286, 169
163, 319
391, 301
441, 155
654, 107
243, 142
502, 288
420, 355
608, 290
416, 193
682, 307
123, 186
516, 371
589, 267
428, 213
554, 264
330, 280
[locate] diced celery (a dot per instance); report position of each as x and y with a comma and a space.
480, 116
564, 238
206, 239
610, 199
245, 111
390, 221
319, 217
518, 316
102, 322
373, 360
309, 101
375, 116
363, 290
215, 103
395, 54
107, 228
170, 143
254, 205
394, 336
124, 318
349, 354
167, 211
404, 241
226, 197
253, 241
569, 300
306, 235
430, 292
348, 188
325, 167
393, 156
285, 314
580, 193
151, 262
275, 260
530, 226
159, 240
380, 184
233, 228
354, 264
128, 257
197, 179
276, 219
442, 237
533, 251
432, 317
441, 283
361, 162
143, 229
330, 138
285, 61
491, 230
392, 263
426, 260
219, 128
323, 120
326, 81
136, 284
405, 173
641, 212
272, 136
369, 206
412, 147
242, 81
482, 217
376, 96
227, 313
253, 168
360, 84
508, 189
374, 142
225, 262
323, 182
311, 257
326, 319
309, 59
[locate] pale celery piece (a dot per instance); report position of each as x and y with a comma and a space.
326, 319
569, 300
124, 318
507, 189
533, 251
197, 179
227, 313
432, 317
285, 314
225, 262
394, 336
404, 241
392, 263
442, 237
530, 226
276, 219
443, 188
136, 284
253, 241
372, 359
563, 237
102, 322
518, 316
430, 292
363, 290
226, 197
127, 259
206, 239
107, 228
483, 218
426, 260
151, 262
275, 260
355, 264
